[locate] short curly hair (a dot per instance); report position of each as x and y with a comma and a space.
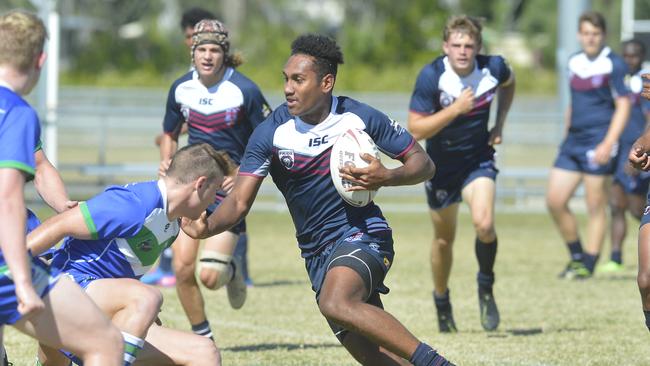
323, 49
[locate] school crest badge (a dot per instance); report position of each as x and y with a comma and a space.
286, 158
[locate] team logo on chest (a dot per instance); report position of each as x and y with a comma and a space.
286, 158
145, 245
445, 99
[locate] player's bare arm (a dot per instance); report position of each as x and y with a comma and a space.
603, 152
417, 167
49, 184
12, 240
231, 210
168, 146
48, 234
424, 127
505, 96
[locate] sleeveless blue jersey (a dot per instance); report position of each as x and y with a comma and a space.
595, 83
223, 115
129, 228
437, 87
297, 155
640, 108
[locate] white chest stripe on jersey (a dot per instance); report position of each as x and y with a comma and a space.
581, 66
311, 140
480, 80
193, 95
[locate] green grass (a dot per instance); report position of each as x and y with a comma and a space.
545, 321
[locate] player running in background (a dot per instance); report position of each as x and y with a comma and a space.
35, 300
450, 108
347, 250
600, 108
221, 107
116, 236
163, 274
629, 190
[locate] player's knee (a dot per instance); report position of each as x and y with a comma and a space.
443, 243
484, 227
643, 280
205, 352
148, 303
184, 272
555, 204
216, 269
335, 309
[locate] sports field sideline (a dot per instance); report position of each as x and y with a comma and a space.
545, 321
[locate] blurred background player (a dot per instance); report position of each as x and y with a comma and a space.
35, 300
114, 237
347, 250
163, 275
450, 108
629, 190
599, 110
221, 107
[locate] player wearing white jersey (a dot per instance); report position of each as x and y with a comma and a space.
115, 237
347, 250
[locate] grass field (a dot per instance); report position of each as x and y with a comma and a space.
545, 321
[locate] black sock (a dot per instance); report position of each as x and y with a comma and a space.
617, 256
442, 301
203, 329
486, 254
575, 250
589, 261
646, 313
424, 355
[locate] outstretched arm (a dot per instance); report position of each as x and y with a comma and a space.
54, 229
49, 184
231, 210
416, 167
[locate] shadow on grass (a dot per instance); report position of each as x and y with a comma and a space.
619, 277
279, 346
280, 283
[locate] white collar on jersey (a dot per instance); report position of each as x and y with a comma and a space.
603, 53
308, 126
226, 76
163, 192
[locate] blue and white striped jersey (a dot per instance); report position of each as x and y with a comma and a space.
595, 83
437, 87
297, 155
223, 115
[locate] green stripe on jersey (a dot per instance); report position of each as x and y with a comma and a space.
90, 224
17, 165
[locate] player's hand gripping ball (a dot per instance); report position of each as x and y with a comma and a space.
347, 151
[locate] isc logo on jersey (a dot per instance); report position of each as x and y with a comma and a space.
347, 151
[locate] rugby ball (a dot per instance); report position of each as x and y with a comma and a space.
347, 151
